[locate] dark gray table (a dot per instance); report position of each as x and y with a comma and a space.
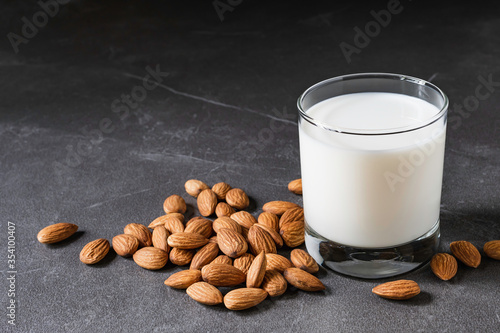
73, 148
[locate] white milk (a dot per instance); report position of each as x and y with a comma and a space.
372, 191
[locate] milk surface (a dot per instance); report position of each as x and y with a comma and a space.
372, 190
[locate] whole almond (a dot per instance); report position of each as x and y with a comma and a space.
444, 266
213, 239
226, 222
222, 275
303, 280
183, 279
56, 232
174, 204
162, 219
292, 214
223, 209
150, 258
204, 293
207, 201
173, 224
221, 189
269, 219
139, 231
293, 233
194, 187
278, 207
303, 260
274, 283
295, 186
256, 271
273, 233
194, 219
237, 198
492, 249
200, 226
244, 298
160, 235
186, 240
231, 243
125, 245
244, 219
94, 251
181, 257
397, 290
222, 259
466, 253
277, 262
204, 256
259, 241
244, 262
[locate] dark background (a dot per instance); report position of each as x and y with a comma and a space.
225, 112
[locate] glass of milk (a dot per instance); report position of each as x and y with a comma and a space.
371, 152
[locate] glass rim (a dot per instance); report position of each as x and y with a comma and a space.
353, 131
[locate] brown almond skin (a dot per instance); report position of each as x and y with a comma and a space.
256, 271
159, 238
269, 219
244, 298
492, 249
223, 209
94, 251
186, 240
303, 280
237, 198
222, 275
293, 233
173, 224
204, 293
303, 260
221, 189
273, 233
244, 219
56, 232
174, 204
295, 186
205, 256
194, 187
226, 222
231, 243
292, 214
181, 257
207, 201
244, 262
274, 283
200, 226
222, 259
125, 245
183, 279
444, 266
260, 241
466, 253
277, 262
278, 207
141, 232
150, 258
162, 219
397, 290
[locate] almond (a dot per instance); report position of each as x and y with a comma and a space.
278, 207
160, 235
244, 219
221, 189
226, 222
174, 204
183, 279
163, 219
273, 233
292, 214
270, 220
222, 259
444, 266
204, 293
181, 257
94, 251
295, 186
150, 258
244, 262
259, 241
303, 280
222, 275
237, 198
56, 232
231, 243
186, 240
139, 231
207, 201
194, 219
398, 290
274, 283
492, 249
200, 226
213, 239
204, 256
256, 271
277, 262
244, 298
194, 187
293, 233
125, 245
466, 253
223, 209
303, 260
173, 224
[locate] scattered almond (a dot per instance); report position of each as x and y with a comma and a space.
159, 238
163, 219
256, 271
150, 258
244, 298
223, 209
492, 249
94, 251
56, 232
303, 280
186, 240
244, 262
293, 233
278, 207
291, 215
466, 253
125, 245
174, 204
194, 187
204, 293
183, 279
173, 224
295, 186
444, 266
260, 241
269, 219
273, 233
205, 256
237, 198
222, 275
221, 189
139, 231
274, 283
181, 257
397, 290
303, 260
207, 201
222, 259
226, 222
200, 226
277, 262
231, 243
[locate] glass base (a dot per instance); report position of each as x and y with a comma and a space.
372, 263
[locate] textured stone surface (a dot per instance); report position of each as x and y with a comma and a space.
225, 112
